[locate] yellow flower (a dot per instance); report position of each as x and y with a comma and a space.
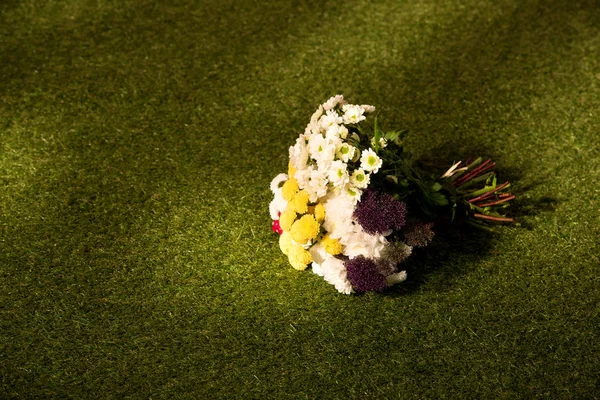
300, 202
298, 257
305, 229
332, 246
289, 189
285, 242
291, 170
287, 217
319, 212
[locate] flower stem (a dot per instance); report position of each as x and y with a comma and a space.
503, 200
490, 193
489, 217
485, 166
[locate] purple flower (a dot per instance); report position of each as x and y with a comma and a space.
379, 212
418, 234
362, 274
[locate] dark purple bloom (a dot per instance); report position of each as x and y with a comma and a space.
418, 234
378, 212
362, 274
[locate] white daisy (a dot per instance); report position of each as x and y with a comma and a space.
354, 193
370, 162
330, 118
317, 185
338, 173
353, 114
333, 102
345, 152
333, 133
322, 150
343, 131
367, 108
360, 179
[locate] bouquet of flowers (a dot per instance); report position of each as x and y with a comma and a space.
353, 206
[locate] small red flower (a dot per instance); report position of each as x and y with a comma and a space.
275, 227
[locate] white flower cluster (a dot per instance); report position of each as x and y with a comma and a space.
325, 157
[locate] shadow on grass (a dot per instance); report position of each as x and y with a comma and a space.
466, 83
458, 247
450, 255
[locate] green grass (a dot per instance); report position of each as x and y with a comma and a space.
137, 142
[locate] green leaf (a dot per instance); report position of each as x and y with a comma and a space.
395, 137
377, 133
438, 199
436, 187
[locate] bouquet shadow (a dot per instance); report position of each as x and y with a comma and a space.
457, 248
453, 253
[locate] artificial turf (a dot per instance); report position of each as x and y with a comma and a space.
137, 143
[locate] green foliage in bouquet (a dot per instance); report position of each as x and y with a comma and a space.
470, 192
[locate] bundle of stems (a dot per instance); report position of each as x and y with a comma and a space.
482, 205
